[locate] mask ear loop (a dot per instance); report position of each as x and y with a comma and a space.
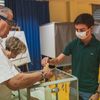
89, 29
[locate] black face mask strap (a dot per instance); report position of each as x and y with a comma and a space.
10, 22
2, 17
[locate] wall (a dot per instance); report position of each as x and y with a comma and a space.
1, 2
58, 10
67, 10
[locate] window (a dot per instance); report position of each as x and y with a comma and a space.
96, 12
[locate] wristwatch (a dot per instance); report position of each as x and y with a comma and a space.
98, 92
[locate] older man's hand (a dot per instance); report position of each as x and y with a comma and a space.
44, 61
47, 72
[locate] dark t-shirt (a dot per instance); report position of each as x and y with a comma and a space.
85, 63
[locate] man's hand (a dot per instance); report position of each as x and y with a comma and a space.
94, 97
47, 72
44, 61
53, 61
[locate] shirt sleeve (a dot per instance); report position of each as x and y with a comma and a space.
68, 48
7, 70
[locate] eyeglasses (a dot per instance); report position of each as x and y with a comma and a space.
10, 22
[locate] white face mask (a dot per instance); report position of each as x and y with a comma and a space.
81, 35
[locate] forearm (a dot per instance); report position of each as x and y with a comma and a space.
23, 80
57, 60
96, 95
98, 90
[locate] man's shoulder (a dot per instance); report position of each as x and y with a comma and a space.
74, 41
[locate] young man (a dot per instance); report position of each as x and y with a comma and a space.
85, 51
9, 76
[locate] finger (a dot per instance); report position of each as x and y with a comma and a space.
42, 63
46, 59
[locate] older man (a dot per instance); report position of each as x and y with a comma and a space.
9, 76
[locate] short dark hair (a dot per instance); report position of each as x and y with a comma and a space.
84, 18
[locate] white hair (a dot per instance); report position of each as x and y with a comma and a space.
5, 11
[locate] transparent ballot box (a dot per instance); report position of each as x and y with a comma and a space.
61, 86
